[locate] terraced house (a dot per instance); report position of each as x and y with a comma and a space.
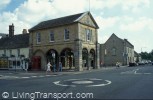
71, 40
14, 50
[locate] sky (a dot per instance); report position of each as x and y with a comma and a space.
128, 19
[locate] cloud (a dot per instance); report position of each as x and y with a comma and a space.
4, 3
135, 5
106, 22
137, 25
31, 12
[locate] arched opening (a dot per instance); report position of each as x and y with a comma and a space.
85, 57
38, 60
67, 58
92, 58
53, 57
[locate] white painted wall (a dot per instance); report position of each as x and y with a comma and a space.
23, 51
1, 52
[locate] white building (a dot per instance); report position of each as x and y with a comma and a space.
14, 50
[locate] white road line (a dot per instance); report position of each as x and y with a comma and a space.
48, 75
25, 77
147, 73
16, 77
58, 83
41, 76
135, 72
33, 76
108, 82
83, 82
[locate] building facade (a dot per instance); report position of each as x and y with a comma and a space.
137, 57
71, 40
14, 50
116, 50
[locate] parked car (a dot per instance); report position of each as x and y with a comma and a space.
132, 64
141, 63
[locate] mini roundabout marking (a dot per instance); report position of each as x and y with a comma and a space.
86, 82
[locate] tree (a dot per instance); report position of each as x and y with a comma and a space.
147, 56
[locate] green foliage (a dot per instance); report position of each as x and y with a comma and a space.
147, 56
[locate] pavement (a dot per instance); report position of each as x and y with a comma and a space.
22, 74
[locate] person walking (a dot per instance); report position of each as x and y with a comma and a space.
48, 67
60, 66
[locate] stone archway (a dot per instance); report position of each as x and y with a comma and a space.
92, 58
85, 58
38, 60
53, 57
67, 58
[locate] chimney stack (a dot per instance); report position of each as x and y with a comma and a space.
24, 31
11, 30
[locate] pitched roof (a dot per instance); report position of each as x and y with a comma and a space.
16, 41
60, 21
124, 40
3, 34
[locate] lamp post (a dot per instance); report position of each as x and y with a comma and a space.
142, 48
72, 60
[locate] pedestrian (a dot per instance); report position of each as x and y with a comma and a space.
117, 64
60, 66
48, 67
54, 68
26, 66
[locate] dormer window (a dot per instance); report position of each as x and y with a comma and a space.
66, 34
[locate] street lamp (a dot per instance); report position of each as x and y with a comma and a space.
142, 48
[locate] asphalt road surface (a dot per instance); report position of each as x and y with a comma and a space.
113, 83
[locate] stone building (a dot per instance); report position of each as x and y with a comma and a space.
137, 57
14, 50
116, 50
71, 40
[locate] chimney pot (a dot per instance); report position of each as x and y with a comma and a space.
11, 30
24, 31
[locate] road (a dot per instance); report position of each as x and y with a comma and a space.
113, 83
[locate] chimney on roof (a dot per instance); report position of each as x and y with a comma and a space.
125, 39
11, 30
24, 31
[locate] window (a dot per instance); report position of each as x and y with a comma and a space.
18, 52
4, 52
38, 37
88, 35
10, 53
66, 34
105, 51
51, 35
113, 52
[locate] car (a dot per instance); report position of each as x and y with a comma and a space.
132, 64
141, 63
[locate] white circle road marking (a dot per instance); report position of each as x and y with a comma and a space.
108, 82
25, 77
83, 82
58, 83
